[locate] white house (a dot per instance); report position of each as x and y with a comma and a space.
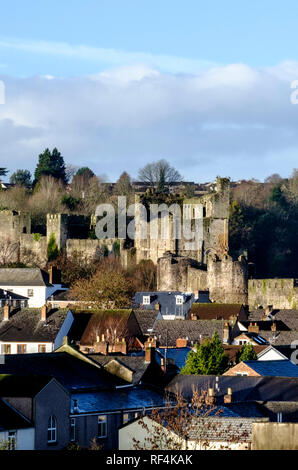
33, 330
32, 283
16, 431
212, 433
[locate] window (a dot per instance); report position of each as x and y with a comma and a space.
41, 348
125, 418
146, 299
179, 300
6, 349
30, 292
279, 417
12, 435
52, 429
21, 349
72, 429
102, 426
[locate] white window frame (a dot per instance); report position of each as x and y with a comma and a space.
126, 418
179, 299
279, 417
52, 429
102, 426
30, 292
146, 300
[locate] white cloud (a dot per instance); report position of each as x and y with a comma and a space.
109, 57
232, 120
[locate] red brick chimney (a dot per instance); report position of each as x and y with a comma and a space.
253, 328
181, 342
44, 311
6, 312
120, 346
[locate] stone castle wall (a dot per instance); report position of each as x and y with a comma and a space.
280, 293
33, 249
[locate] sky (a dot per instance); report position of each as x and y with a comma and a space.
117, 84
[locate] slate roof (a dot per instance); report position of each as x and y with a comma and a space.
136, 364
134, 398
214, 311
71, 371
287, 316
146, 319
11, 419
167, 331
25, 325
166, 301
231, 350
178, 355
283, 389
23, 277
273, 368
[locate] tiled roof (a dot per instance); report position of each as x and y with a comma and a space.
25, 325
289, 317
23, 277
100, 320
22, 385
166, 301
214, 311
167, 331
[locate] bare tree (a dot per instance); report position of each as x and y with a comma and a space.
159, 172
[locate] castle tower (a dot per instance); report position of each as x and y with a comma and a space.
227, 279
57, 225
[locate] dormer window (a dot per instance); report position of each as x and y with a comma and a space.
146, 299
179, 299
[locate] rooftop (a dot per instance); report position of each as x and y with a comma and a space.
26, 326
23, 277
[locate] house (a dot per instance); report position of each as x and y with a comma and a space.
106, 330
186, 333
215, 311
41, 407
16, 431
264, 368
141, 322
33, 330
12, 299
32, 283
227, 431
171, 305
275, 398
100, 397
275, 353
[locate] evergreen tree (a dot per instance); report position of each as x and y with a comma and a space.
3, 171
209, 358
246, 353
53, 251
52, 164
21, 178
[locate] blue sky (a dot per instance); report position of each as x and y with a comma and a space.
115, 84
